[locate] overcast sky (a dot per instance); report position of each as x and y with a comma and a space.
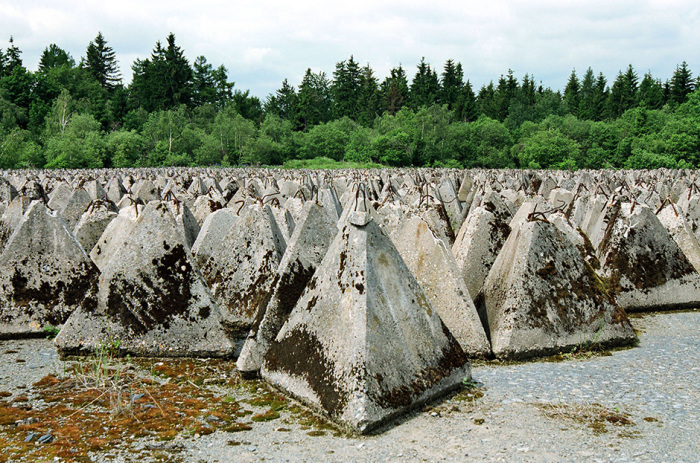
261, 42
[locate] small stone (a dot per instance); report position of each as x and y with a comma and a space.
45, 439
252, 449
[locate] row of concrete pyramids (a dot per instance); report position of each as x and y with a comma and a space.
330, 309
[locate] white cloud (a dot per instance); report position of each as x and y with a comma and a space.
265, 41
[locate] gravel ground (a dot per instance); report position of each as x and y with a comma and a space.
654, 387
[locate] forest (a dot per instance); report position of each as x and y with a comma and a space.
174, 112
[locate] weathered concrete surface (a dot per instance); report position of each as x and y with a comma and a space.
435, 268
186, 223
151, 299
541, 297
214, 229
479, 241
241, 272
45, 275
12, 217
363, 343
114, 236
644, 266
677, 226
93, 223
76, 204
304, 253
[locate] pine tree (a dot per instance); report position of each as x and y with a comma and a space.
203, 84
425, 87
587, 97
601, 96
345, 89
368, 98
102, 63
179, 75
682, 84
12, 55
314, 102
395, 90
572, 93
284, 103
466, 108
53, 56
451, 84
486, 101
651, 92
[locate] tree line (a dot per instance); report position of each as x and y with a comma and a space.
70, 114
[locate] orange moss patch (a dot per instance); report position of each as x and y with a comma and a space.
88, 413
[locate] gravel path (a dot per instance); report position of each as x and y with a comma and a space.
656, 386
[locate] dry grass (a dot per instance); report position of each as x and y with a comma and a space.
593, 415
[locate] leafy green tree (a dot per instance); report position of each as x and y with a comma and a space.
359, 148
101, 62
394, 148
429, 134
551, 148
124, 148
492, 142
326, 140
79, 146
19, 150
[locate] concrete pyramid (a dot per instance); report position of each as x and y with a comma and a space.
214, 229
12, 217
435, 268
241, 272
7, 191
305, 250
59, 196
114, 235
480, 239
76, 204
115, 190
95, 190
45, 274
94, 221
151, 299
677, 225
363, 344
645, 267
541, 297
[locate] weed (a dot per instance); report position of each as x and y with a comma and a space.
51, 331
